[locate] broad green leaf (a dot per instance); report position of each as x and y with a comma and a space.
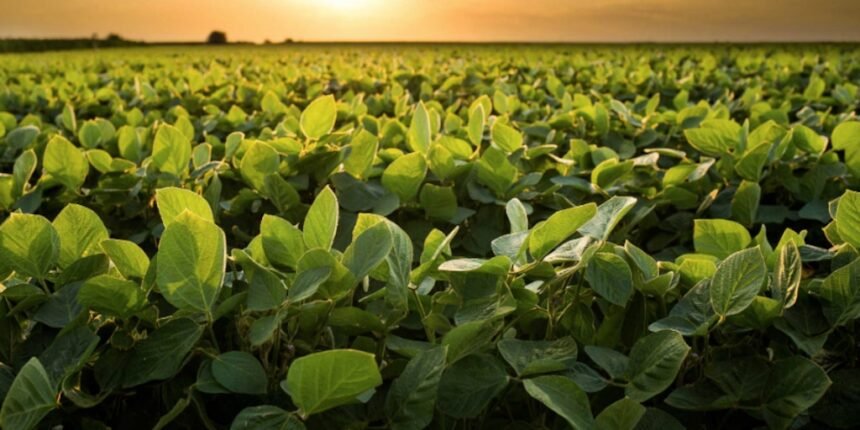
191, 263
324, 380
420, 130
610, 360
31, 396
65, 163
654, 363
171, 151
745, 202
162, 354
318, 118
692, 315
794, 385
411, 400
841, 294
719, 237
266, 418
438, 202
468, 386
368, 250
496, 171
259, 161
240, 372
282, 241
405, 175
112, 296
787, 275
608, 215
475, 128
321, 221
559, 226
610, 277
506, 137
68, 353
533, 357
361, 155
173, 201
517, 215
467, 339
848, 217
737, 281
564, 397
846, 135
808, 140
621, 415
307, 283
80, 230
715, 137
128, 258
29, 244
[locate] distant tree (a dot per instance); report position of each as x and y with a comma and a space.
217, 38
289, 40
113, 37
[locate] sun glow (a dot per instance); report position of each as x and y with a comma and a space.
346, 5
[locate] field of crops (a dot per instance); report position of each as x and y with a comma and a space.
445, 237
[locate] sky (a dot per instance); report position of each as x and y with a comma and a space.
438, 20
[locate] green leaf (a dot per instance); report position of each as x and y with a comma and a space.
368, 250
788, 275
128, 258
65, 163
318, 118
468, 386
162, 354
608, 215
419, 134
564, 397
80, 230
324, 380
361, 155
533, 357
171, 151
808, 140
841, 294
307, 283
240, 372
31, 396
259, 161
848, 217
505, 137
846, 135
496, 171
266, 418
719, 237
621, 415
546, 235
467, 338
654, 363
745, 202
412, 398
438, 202
405, 175
794, 385
737, 281
610, 171
191, 263
29, 244
112, 296
715, 137
282, 241
517, 216
320, 224
610, 277
475, 128
173, 201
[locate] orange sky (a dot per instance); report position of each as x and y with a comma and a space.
441, 20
